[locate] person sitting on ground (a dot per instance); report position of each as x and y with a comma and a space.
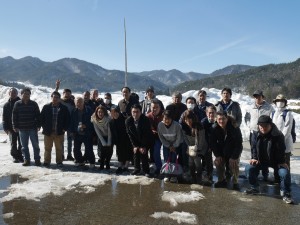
269, 152
14, 137
226, 143
121, 139
139, 131
101, 122
194, 137
81, 129
55, 118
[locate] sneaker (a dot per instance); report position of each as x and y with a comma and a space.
92, 166
236, 187
119, 170
147, 175
21, 160
37, 162
136, 172
287, 198
26, 163
221, 184
46, 164
173, 180
252, 191
70, 158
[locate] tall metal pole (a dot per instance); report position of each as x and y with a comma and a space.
125, 55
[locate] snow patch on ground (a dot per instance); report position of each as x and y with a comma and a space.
180, 217
7, 215
181, 197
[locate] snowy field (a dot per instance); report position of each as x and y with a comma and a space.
41, 182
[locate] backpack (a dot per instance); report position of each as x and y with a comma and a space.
293, 133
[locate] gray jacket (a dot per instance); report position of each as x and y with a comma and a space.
170, 136
233, 110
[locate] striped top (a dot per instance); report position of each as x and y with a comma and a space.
26, 116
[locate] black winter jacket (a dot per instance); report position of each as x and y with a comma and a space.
275, 147
7, 114
141, 136
228, 145
63, 119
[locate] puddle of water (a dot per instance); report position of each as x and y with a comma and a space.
115, 203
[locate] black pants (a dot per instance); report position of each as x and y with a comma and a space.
104, 152
15, 145
138, 157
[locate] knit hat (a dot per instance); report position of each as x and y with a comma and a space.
264, 119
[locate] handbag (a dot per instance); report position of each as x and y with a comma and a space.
171, 169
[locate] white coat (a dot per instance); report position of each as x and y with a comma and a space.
284, 126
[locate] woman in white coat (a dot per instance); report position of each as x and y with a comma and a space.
283, 119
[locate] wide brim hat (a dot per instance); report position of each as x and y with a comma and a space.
280, 98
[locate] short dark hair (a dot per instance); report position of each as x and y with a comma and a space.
25, 90
211, 107
55, 93
136, 106
192, 98
222, 113
202, 92
67, 90
168, 114
108, 94
227, 89
126, 88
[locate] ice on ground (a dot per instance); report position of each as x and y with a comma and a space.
196, 187
7, 215
181, 197
134, 180
180, 217
245, 199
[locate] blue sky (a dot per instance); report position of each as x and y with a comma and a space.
188, 35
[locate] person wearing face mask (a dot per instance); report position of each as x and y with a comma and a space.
283, 119
191, 105
108, 102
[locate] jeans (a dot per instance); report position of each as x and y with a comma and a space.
15, 143
24, 137
87, 141
285, 177
156, 154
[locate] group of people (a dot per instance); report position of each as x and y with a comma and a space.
189, 134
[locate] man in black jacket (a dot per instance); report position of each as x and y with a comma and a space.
226, 143
54, 119
268, 150
139, 131
14, 138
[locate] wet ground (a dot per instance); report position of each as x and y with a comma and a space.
115, 203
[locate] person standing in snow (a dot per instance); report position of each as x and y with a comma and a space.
202, 103
55, 119
177, 107
139, 131
283, 119
14, 137
26, 121
101, 122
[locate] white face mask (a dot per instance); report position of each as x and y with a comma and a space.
107, 101
190, 106
280, 104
